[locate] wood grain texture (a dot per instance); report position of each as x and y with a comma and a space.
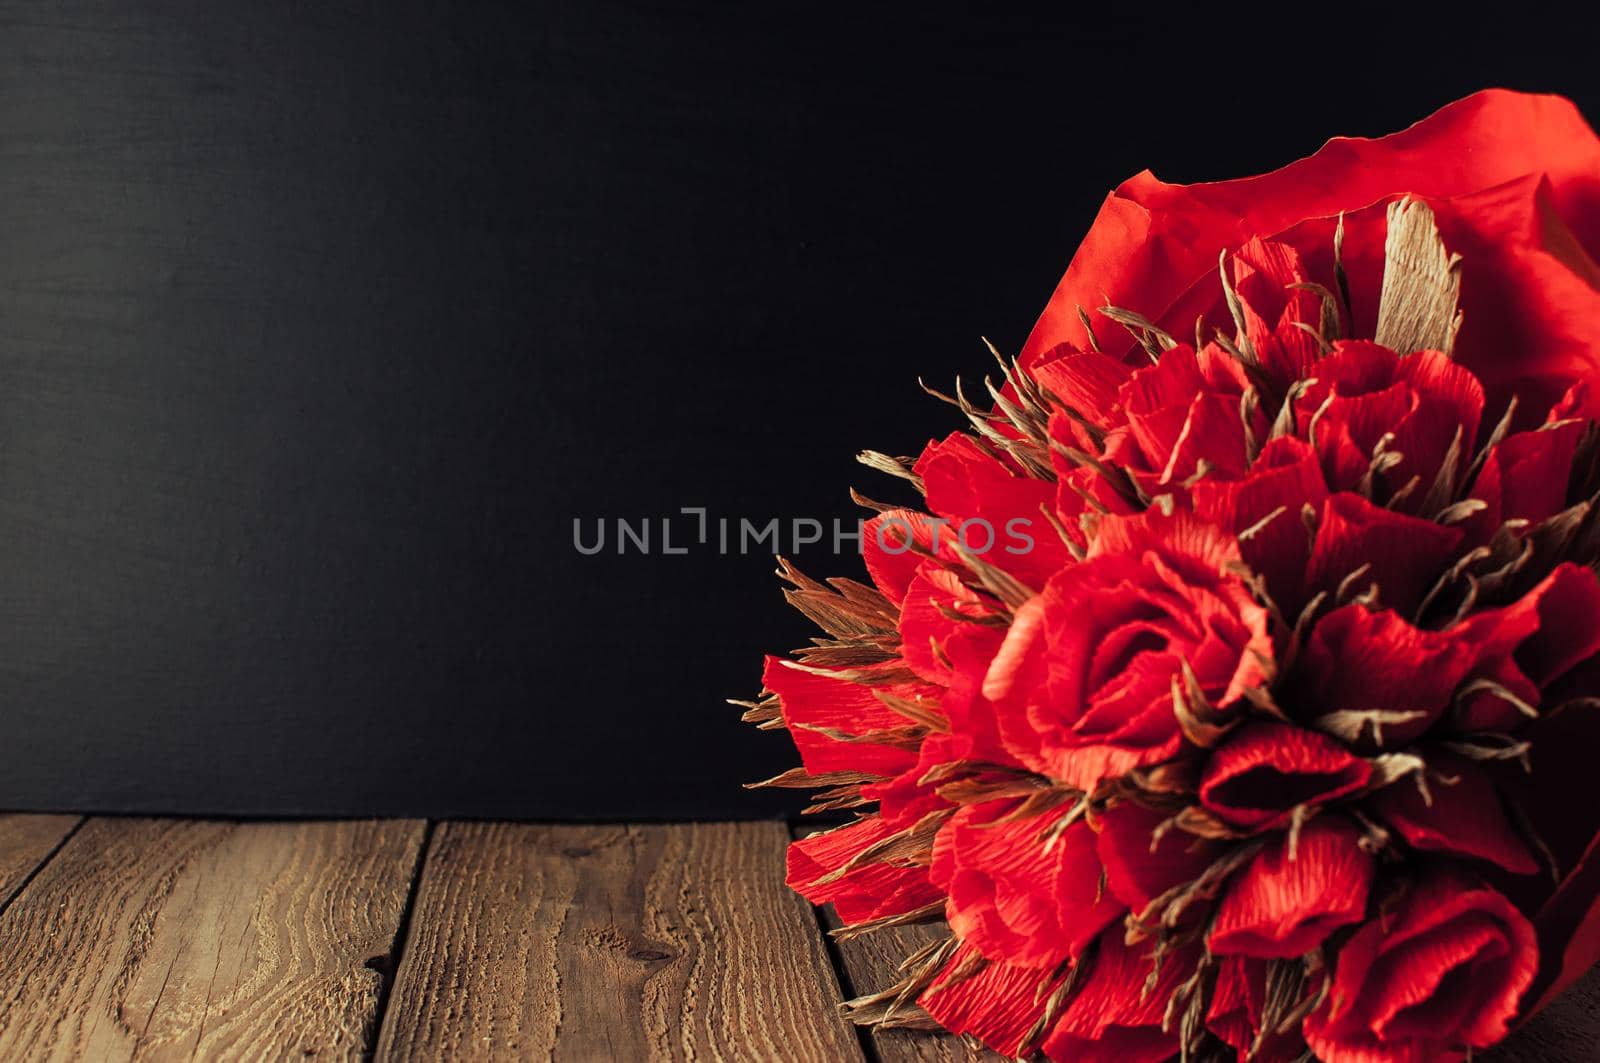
612, 942
26, 841
162, 939
871, 963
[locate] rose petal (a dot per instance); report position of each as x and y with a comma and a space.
869, 891
1357, 660
1012, 898
1114, 1018
889, 546
1403, 555
1234, 1015
1426, 990
1433, 374
1285, 477
1524, 478
1537, 642
1138, 868
1082, 684
1465, 817
1292, 896
1446, 969
1236, 1007
1268, 278
986, 502
1567, 601
1087, 381
998, 1004
821, 711
929, 631
1178, 420
1263, 771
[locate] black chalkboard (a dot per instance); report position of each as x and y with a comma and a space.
321, 323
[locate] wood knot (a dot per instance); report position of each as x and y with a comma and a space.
649, 955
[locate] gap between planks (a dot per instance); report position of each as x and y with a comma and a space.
27, 842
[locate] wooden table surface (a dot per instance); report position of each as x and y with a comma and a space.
400, 939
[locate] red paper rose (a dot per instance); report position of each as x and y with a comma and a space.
1443, 973
1366, 399
1117, 1016
1082, 688
1269, 737
1295, 893
1265, 770
1239, 1018
1012, 896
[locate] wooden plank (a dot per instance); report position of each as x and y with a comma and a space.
26, 841
871, 963
612, 942
164, 939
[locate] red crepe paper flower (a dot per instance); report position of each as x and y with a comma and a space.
1230, 693
1081, 689
1295, 893
1007, 898
1266, 770
1117, 1016
1241, 1001
1444, 971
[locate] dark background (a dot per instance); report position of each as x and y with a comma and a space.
320, 323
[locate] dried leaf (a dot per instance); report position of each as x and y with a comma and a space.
1421, 283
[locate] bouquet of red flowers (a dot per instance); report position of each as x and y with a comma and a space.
1238, 692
